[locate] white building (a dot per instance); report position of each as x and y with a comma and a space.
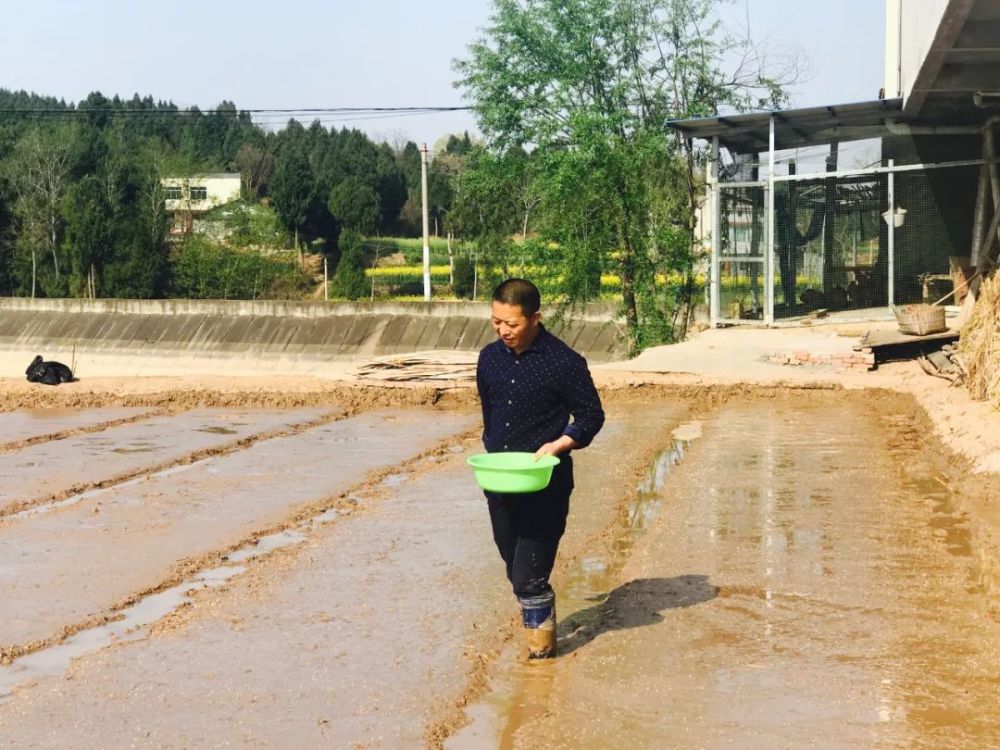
200, 192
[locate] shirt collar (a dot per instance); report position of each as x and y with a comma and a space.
539, 344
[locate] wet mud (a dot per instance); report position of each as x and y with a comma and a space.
810, 580
380, 613
71, 565
743, 568
22, 428
53, 470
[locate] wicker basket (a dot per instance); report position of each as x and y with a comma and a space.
920, 320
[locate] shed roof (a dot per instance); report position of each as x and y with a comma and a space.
795, 128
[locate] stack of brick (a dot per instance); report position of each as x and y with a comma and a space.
862, 359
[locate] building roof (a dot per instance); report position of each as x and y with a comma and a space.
960, 69
207, 176
795, 128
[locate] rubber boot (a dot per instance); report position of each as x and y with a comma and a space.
538, 614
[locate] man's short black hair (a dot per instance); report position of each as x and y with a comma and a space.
519, 292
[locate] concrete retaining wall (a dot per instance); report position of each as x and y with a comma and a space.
178, 337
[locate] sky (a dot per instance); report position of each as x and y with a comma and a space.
342, 53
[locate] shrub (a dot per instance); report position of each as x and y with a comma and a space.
206, 270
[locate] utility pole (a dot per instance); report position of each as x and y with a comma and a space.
427, 247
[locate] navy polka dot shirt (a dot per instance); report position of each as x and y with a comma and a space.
528, 398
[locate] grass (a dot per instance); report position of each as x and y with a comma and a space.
412, 248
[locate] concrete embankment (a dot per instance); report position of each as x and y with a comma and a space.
184, 337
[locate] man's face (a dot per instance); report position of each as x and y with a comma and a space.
513, 327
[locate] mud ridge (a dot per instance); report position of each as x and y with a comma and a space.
350, 396
362, 395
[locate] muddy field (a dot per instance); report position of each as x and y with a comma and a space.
743, 568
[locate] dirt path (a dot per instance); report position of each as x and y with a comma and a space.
807, 581
369, 634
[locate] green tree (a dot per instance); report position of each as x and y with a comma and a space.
390, 186
292, 190
37, 176
355, 205
349, 280
115, 221
256, 167
590, 86
465, 275
409, 165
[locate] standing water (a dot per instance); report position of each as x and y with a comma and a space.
808, 580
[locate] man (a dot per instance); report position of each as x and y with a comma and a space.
530, 384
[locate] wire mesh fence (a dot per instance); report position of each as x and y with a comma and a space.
826, 245
846, 242
933, 244
742, 244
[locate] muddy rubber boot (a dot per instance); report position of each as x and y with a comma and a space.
538, 614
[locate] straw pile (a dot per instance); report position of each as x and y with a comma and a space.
980, 344
421, 366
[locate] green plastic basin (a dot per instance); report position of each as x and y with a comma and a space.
511, 473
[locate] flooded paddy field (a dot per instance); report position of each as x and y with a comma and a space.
755, 570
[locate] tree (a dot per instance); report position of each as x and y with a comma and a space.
465, 275
89, 234
349, 279
116, 223
292, 190
409, 165
390, 185
6, 247
38, 175
590, 85
355, 205
256, 166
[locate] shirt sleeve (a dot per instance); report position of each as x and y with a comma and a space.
584, 403
483, 394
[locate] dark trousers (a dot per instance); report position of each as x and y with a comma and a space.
527, 529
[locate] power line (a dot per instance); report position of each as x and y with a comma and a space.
78, 112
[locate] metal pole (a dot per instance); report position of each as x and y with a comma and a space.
990, 155
880, 170
989, 143
892, 234
326, 281
979, 216
769, 255
716, 230
475, 275
427, 246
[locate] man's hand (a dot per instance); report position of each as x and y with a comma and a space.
563, 444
